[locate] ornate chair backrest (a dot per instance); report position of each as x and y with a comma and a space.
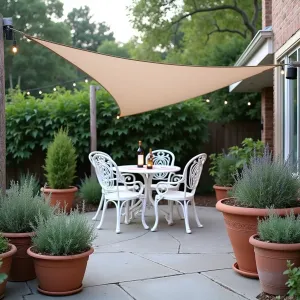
92, 154
107, 172
192, 172
162, 158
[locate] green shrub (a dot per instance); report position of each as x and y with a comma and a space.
61, 161
267, 183
33, 180
31, 124
19, 208
4, 247
2, 276
224, 166
63, 234
276, 229
90, 190
293, 282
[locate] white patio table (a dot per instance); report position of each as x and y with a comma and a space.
147, 175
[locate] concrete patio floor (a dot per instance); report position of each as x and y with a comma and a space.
167, 264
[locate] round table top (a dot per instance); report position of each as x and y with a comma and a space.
156, 169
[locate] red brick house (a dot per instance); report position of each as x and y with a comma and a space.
277, 42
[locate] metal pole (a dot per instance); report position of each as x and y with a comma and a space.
2, 113
93, 123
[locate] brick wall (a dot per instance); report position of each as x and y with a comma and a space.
285, 20
266, 13
267, 116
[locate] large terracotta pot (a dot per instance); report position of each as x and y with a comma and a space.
60, 275
221, 191
6, 265
271, 261
64, 197
241, 224
22, 268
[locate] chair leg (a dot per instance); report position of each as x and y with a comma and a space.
127, 220
99, 208
170, 219
118, 211
103, 214
196, 215
144, 203
186, 216
178, 211
156, 215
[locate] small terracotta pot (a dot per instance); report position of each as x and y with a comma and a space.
22, 268
221, 191
60, 275
271, 261
6, 265
64, 197
241, 224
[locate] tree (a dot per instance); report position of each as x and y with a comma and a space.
85, 33
34, 66
113, 48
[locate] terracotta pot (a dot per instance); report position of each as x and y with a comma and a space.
241, 224
6, 265
221, 191
22, 268
271, 261
60, 275
64, 197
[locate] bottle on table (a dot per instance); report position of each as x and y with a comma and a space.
140, 155
150, 160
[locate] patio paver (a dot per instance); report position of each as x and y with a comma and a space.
167, 264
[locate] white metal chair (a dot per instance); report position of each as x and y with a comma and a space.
163, 157
190, 179
127, 177
115, 188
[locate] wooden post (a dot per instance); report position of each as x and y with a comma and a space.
2, 114
93, 123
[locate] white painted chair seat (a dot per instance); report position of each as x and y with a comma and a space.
123, 195
171, 187
178, 195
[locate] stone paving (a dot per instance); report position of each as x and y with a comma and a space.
167, 264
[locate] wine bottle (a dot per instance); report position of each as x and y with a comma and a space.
150, 160
140, 155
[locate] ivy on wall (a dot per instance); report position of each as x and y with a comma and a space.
32, 122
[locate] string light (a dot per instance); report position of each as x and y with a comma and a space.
14, 47
118, 117
54, 89
28, 93
207, 100
86, 81
40, 92
249, 103
74, 84
282, 71
225, 102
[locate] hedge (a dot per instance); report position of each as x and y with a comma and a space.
32, 122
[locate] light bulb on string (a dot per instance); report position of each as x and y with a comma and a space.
282, 71
86, 81
249, 103
225, 102
28, 93
40, 92
118, 117
54, 89
14, 47
74, 84
207, 100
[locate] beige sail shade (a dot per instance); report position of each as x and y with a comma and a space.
139, 86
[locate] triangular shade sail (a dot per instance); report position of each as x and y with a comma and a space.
139, 86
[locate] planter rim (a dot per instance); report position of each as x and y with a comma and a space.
273, 246
18, 235
258, 212
10, 252
220, 187
57, 191
52, 257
